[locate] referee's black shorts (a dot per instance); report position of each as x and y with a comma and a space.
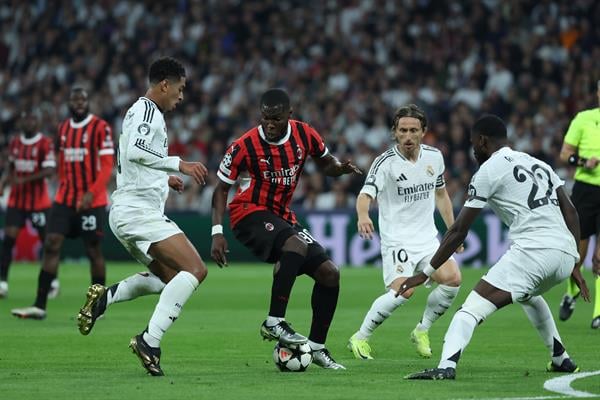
264, 233
586, 199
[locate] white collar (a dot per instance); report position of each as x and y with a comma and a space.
82, 123
31, 140
280, 142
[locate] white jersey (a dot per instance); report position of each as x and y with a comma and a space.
405, 193
521, 190
143, 161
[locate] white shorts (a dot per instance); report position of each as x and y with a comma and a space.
530, 272
138, 228
400, 262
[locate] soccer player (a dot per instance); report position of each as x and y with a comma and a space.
30, 161
273, 154
85, 159
580, 149
137, 217
529, 198
408, 182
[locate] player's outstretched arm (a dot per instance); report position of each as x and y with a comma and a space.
364, 224
331, 166
444, 206
219, 243
453, 238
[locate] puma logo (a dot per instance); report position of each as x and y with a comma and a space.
266, 161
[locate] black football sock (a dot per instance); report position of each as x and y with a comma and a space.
101, 280
324, 302
283, 282
6, 257
44, 281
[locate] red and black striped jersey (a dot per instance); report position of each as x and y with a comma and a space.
273, 169
81, 145
29, 156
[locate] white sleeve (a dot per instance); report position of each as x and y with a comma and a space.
480, 189
141, 129
440, 182
375, 181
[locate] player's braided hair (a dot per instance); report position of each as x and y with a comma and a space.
410, 110
165, 68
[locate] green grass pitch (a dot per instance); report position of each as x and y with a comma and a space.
214, 350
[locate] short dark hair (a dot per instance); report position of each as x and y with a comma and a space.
274, 101
409, 110
490, 125
165, 68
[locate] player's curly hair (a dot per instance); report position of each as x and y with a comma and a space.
409, 110
165, 68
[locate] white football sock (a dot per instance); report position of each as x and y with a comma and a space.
170, 303
539, 315
137, 285
438, 301
475, 309
380, 310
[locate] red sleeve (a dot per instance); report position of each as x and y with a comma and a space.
105, 149
47, 156
316, 144
233, 162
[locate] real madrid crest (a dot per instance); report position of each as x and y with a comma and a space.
429, 170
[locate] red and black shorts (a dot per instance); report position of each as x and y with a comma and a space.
264, 233
87, 224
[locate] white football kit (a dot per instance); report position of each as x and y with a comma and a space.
137, 214
405, 193
521, 190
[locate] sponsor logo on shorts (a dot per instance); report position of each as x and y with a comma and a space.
269, 226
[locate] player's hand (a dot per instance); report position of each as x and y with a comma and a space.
591, 163
218, 250
347, 168
412, 282
460, 249
365, 228
596, 268
581, 284
196, 170
176, 183
85, 202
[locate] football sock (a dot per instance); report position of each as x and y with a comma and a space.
44, 281
539, 315
572, 288
597, 301
438, 302
283, 281
101, 280
6, 257
324, 301
140, 284
380, 310
315, 346
475, 309
170, 303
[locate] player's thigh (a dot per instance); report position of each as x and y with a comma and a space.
163, 272
448, 273
178, 253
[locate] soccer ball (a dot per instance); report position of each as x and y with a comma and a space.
292, 357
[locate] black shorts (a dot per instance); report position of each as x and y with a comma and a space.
264, 234
586, 199
18, 216
88, 224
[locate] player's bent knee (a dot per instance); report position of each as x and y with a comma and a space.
478, 307
327, 274
295, 244
200, 272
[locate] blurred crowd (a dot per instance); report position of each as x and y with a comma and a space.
346, 64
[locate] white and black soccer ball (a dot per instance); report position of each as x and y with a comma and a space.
292, 357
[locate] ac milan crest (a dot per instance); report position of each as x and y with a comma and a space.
269, 226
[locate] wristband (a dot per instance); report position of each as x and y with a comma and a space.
576, 161
428, 270
217, 230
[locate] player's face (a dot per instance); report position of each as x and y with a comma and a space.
275, 125
479, 148
78, 104
174, 93
29, 123
409, 134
